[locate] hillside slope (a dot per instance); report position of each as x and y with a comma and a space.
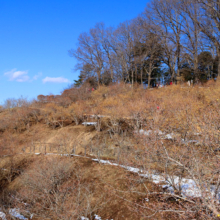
171, 132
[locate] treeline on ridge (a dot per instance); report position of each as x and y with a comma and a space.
170, 41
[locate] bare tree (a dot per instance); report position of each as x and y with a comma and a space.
150, 48
209, 22
89, 52
165, 14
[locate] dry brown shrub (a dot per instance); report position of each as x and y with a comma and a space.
77, 112
54, 188
54, 115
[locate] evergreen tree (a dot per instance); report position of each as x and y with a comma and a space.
79, 82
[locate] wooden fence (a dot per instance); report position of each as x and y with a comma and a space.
44, 148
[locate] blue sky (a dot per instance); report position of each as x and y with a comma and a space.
37, 34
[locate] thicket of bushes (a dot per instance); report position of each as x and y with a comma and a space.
172, 108
189, 114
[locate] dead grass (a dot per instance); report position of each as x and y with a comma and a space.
119, 193
175, 109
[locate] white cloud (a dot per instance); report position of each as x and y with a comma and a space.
19, 76
55, 80
23, 78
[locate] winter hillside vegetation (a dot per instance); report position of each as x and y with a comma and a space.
135, 137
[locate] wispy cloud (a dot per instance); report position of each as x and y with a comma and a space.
55, 80
19, 76
37, 76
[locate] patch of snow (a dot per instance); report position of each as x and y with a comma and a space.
89, 123
84, 218
197, 133
148, 132
166, 136
97, 217
100, 116
3, 216
190, 141
160, 132
169, 136
131, 169
188, 186
15, 213
102, 161
153, 177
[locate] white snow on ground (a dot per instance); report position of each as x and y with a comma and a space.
3, 216
89, 123
100, 116
96, 218
84, 218
170, 136
15, 213
188, 186
158, 132
148, 132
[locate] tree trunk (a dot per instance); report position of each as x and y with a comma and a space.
218, 53
172, 74
111, 69
99, 78
178, 56
149, 79
141, 75
136, 73
132, 77
195, 68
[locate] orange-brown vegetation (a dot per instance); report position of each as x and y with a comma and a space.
131, 129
